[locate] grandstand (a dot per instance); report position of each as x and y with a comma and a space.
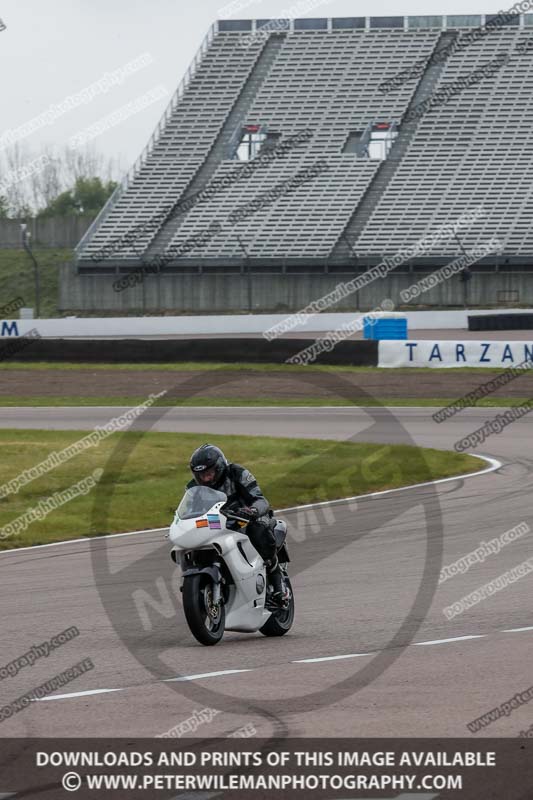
389, 177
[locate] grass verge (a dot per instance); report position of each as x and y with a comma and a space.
197, 366
147, 490
397, 402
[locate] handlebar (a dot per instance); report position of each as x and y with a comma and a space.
242, 517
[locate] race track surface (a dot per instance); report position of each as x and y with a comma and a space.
371, 653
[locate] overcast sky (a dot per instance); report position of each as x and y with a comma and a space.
50, 50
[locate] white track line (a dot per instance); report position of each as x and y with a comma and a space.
517, 630
329, 658
86, 693
204, 675
220, 673
373, 653
494, 464
89, 692
83, 539
454, 639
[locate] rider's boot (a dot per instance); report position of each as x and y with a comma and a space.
280, 593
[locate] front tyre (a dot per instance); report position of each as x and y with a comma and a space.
206, 621
280, 622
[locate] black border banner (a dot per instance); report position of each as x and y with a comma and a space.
187, 768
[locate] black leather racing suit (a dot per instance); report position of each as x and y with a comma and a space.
242, 490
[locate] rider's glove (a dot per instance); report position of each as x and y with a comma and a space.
248, 512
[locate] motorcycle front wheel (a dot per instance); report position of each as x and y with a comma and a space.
206, 621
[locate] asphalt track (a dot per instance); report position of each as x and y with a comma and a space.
358, 662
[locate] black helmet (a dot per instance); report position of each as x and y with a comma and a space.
209, 466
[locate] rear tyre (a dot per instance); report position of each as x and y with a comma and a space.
280, 621
206, 622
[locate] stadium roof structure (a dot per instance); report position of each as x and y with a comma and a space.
282, 146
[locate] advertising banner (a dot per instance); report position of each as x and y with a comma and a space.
467, 353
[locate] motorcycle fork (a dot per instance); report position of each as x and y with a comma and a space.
217, 594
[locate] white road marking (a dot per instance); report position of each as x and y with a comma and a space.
74, 694
517, 630
84, 539
329, 658
359, 655
494, 464
204, 675
90, 692
220, 673
454, 639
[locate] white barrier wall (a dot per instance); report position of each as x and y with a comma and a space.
139, 327
447, 354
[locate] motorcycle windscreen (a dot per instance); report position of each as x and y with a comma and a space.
199, 500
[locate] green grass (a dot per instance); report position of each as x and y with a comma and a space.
145, 474
17, 277
197, 366
10, 401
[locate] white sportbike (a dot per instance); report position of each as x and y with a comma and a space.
224, 581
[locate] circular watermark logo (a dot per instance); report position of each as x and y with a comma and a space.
142, 598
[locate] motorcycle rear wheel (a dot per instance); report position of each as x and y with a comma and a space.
280, 622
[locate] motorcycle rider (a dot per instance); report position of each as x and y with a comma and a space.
210, 467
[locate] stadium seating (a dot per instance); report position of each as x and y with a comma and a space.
474, 150
324, 76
